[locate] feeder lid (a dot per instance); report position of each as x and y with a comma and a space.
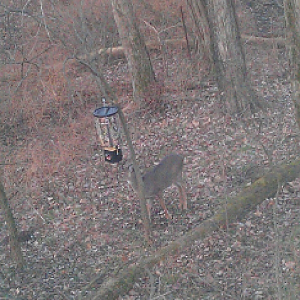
105, 111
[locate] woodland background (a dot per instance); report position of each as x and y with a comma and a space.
85, 218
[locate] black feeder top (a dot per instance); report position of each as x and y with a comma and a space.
105, 111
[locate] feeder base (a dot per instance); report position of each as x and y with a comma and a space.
113, 154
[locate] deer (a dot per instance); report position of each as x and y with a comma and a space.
167, 173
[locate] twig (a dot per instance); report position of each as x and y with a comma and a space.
185, 33
152, 283
277, 252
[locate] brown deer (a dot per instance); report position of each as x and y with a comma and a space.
162, 176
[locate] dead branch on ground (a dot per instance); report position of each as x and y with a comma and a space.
118, 52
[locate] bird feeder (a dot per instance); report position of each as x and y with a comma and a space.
107, 127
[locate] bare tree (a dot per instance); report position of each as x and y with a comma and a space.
236, 93
199, 17
13, 234
134, 45
292, 16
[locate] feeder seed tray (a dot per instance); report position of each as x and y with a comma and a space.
105, 111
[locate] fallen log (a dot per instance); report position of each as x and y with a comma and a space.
234, 210
118, 52
250, 39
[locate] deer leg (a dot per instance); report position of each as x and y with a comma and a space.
182, 197
163, 205
149, 206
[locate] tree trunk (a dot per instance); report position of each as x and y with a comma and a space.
199, 17
143, 76
292, 16
229, 60
234, 210
12, 228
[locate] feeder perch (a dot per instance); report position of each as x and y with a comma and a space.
108, 132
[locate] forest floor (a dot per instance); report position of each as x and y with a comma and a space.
87, 218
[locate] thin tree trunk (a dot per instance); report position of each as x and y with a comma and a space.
140, 183
12, 228
292, 16
143, 76
108, 92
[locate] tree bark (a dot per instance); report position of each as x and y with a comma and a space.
143, 76
292, 17
199, 16
234, 210
229, 60
12, 228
